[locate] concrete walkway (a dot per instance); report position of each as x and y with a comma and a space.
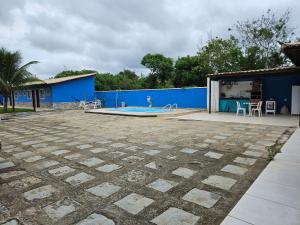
274, 198
278, 120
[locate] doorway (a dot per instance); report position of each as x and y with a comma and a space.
35, 98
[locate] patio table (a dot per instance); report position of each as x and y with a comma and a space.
250, 105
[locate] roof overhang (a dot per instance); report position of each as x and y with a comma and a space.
57, 80
292, 51
253, 73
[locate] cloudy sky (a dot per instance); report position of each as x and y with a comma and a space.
112, 35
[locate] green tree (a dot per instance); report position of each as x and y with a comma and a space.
186, 72
161, 67
105, 82
13, 75
127, 80
68, 73
259, 39
220, 55
128, 74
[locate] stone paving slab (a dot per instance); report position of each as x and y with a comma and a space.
253, 153
184, 172
220, 182
79, 178
107, 168
73, 156
33, 158
118, 145
82, 147
234, 169
201, 197
5, 165
104, 190
61, 208
188, 150
152, 152
151, 165
25, 182
11, 222
92, 162
11, 174
174, 216
96, 219
60, 152
45, 164
40, 192
245, 161
22, 155
213, 155
162, 185
98, 150
134, 203
61, 171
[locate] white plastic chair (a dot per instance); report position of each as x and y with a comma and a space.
257, 109
239, 108
271, 107
96, 104
83, 105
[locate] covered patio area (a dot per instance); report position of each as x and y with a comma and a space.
277, 88
261, 91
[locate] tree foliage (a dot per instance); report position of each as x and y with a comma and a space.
259, 37
220, 55
160, 67
186, 72
124, 80
67, 73
13, 74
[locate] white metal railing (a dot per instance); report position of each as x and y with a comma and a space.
170, 107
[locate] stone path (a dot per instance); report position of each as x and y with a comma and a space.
76, 168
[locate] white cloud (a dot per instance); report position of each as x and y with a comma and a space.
111, 35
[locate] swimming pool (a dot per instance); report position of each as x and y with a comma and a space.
139, 109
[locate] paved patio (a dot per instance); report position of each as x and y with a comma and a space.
277, 120
76, 168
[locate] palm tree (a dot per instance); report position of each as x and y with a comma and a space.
12, 74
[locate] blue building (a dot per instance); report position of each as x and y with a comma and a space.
63, 92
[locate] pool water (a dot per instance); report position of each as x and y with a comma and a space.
139, 109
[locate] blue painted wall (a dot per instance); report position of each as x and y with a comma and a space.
74, 90
183, 97
1, 99
276, 87
280, 88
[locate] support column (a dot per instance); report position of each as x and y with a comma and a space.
33, 94
209, 95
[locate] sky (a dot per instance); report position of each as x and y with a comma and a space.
112, 35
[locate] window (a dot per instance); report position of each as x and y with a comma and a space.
48, 92
28, 94
42, 93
